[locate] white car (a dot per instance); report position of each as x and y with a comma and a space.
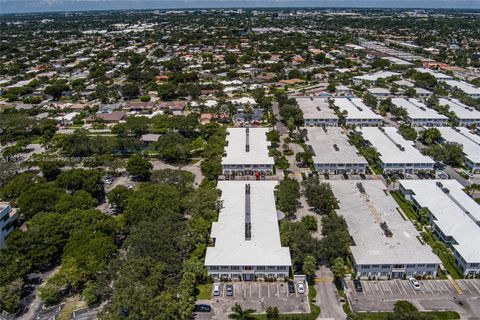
415, 284
216, 289
300, 288
468, 173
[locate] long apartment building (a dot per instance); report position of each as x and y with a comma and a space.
454, 216
332, 153
385, 245
246, 236
466, 115
317, 112
246, 152
470, 143
465, 87
419, 114
8, 217
395, 153
357, 113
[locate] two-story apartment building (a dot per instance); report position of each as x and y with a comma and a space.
356, 113
246, 236
470, 143
317, 112
246, 152
395, 153
454, 216
384, 245
332, 153
419, 114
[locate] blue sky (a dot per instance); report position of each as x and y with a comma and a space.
8, 6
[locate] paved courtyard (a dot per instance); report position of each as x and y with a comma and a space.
258, 296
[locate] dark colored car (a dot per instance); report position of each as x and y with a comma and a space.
358, 285
202, 308
229, 289
291, 287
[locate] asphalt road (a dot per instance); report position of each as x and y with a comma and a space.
327, 296
279, 126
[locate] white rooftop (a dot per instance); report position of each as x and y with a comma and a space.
231, 248
315, 108
463, 86
461, 110
463, 136
355, 109
258, 147
323, 140
450, 216
417, 110
388, 143
377, 75
437, 75
364, 212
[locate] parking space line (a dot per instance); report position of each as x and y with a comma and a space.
399, 285
268, 288
426, 285
465, 283
475, 285
432, 287
278, 291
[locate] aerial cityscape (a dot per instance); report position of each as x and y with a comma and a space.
239, 160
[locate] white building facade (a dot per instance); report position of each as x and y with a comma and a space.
317, 112
356, 113
8, 217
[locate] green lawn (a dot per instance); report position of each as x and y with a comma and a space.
404, 205
204, 291
441, 315
451, 268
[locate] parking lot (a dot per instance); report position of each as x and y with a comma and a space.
433, 295
258, 296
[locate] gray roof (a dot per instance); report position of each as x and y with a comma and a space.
364, 213
323, 141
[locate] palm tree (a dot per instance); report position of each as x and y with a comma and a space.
240, 314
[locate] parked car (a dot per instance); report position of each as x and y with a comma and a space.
441, 174
202, 308
216, 289
409, 176
291, 287
229, 289
358, 285
301, 288
415, 284
468, 174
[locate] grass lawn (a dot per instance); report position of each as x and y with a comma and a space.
442, 315
451, 268
204, 291
404, 205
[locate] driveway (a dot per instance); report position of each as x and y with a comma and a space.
327, 296
192, 167
279, 126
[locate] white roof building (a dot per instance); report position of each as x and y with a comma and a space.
437, 75
465, 87
466, 115
455, 217
247, 150
384, 243
247, 234
396, 153
419, 114
333, 153
469, 141
374, 77
357, 113
316, 111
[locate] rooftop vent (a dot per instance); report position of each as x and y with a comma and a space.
336, 147
248, 219
360, 187
386, 230
247, 140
